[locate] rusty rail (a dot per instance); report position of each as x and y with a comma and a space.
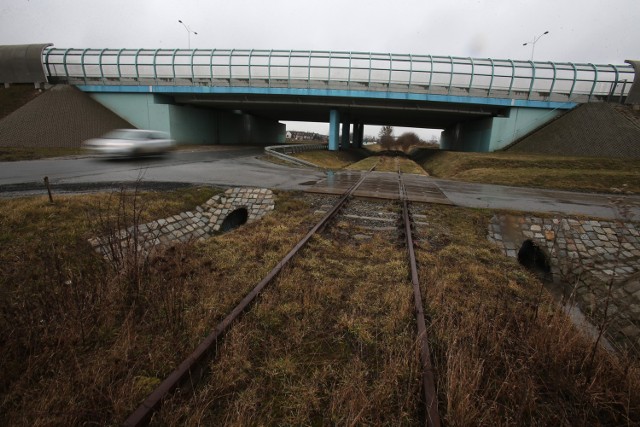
432, 417
142, 415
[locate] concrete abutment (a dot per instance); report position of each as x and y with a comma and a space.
191, 125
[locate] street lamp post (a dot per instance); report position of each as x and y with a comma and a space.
533, 43
189, 31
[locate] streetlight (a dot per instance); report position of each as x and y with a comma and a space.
189, 31
533, 43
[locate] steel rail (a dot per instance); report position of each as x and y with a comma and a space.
432, 417
142, 415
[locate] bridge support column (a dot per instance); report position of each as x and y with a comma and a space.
346, 127
358, 135
334, 130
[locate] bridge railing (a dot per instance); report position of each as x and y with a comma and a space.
283, 152
444, 75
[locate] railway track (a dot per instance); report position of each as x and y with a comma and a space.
208, 348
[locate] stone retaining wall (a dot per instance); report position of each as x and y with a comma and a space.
199, 224
594, 261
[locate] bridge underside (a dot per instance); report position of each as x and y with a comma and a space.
406, 113
208, 115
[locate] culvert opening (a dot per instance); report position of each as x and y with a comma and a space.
235, 219
533, 257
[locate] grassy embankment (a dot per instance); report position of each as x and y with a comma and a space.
586, 174
388, 164
504, 352
332, 159
527, 170
363, 159
13, 154
331, 342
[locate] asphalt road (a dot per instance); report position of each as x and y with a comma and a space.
225, 166
243, 166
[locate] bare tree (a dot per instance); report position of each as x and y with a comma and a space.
386, 137
407, 140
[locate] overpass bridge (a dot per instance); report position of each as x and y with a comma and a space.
214, 95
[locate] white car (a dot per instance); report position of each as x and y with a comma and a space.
130, 142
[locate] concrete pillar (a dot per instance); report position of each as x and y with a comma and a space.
346, 127
334, 130
358, 135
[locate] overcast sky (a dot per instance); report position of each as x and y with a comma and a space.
595, 31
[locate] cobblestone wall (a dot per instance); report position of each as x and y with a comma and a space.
198, 224
594, 261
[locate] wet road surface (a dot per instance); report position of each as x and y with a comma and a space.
242, 166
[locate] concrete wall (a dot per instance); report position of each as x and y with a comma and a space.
519, 122
467, 136
494, 133
191, 125
144, 111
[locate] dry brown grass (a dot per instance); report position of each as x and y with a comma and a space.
529, 170
77, 347
14, 154
332, 159
389, 164
505, 354
331, 343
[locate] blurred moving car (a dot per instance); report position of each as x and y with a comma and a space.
130, 143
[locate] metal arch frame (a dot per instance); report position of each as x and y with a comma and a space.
102, 76
410, 71
118, 62
193, 74
390, 71
472, 73
46, 61
533, 78
155, 65
289, 69
595, 80
513, 76
249, 65
370, 67
84, 71
553, 82
211, 54
136, 64
493, 74
430, 72
173, 63
615, 83
451, 76
268, 68
111, 61
230, 65
64, 62
349, 75
575, 78
309, 71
